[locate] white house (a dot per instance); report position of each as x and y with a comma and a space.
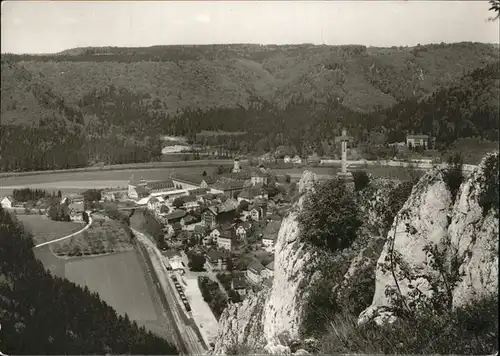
214, 235
225, 239
190, 203
296, 160
7, 202
239, 285
270, 235
417, 141
155, 203
257, 213
76, 211
254, 272
287, 159
243, 230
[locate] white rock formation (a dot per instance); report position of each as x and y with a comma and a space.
261, 319
460, 230
241, 324
475, 240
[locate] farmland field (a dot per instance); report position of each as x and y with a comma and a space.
44, 229
103, 236
79, 181
119, 280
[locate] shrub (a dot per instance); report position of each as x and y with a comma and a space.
329, 218
196, 262
472, 329
489, 198
396, 200
453, 175
361, 180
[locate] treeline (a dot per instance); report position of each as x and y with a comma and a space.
28, 194
42, 314
34, 148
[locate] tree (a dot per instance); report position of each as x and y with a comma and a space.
453, 174
361, 180
243, 206
196, 262
59, 194
92, 195
178, 202
329, 218
495, 7
204, 174
397, 197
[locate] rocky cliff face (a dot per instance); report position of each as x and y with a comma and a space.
432, 227
262, 319
438, 246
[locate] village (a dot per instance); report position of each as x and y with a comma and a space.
231, 220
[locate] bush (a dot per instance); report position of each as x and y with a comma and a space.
396, 200
453, 175
361, 180
472, 329
212, 295
489, 198
196, 262
329, 218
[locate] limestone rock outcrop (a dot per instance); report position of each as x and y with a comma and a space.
262, 318
474, 236
457, 229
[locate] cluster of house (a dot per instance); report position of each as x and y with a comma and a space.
217, 213
73, 203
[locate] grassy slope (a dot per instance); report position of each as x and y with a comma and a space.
227, 76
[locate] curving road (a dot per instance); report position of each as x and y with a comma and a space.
68, 236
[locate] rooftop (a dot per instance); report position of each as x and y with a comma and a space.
271, 230
417, 136
192, 178
214, 255
199, 229
227, 234
239, 283
270, 266
197, 191
256, 266
189, 198
176, 214
229, 185
164, 184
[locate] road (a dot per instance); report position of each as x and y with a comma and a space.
188, 337
68, 236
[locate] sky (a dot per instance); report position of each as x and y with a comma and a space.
53, 26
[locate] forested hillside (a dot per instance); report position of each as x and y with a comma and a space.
110, 105
202, 77
42, 314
